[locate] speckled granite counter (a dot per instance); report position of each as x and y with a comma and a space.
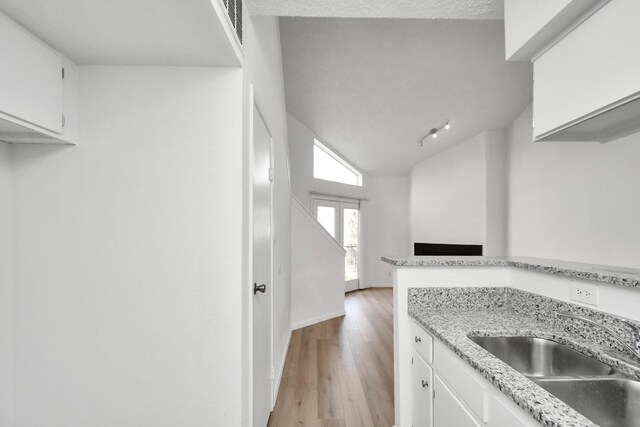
453, 314
601, 273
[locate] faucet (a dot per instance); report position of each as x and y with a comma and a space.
635, 352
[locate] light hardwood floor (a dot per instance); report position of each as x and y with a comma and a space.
339, 373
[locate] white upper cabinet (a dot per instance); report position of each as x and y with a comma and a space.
30, 79
533, 26
584, 84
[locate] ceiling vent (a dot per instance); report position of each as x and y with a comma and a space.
234, 8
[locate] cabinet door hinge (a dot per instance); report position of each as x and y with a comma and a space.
273, 373
63, 73
272, 174
63, 121
412, 360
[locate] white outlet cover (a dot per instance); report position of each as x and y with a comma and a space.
585, 292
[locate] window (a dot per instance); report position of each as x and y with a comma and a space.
331, 167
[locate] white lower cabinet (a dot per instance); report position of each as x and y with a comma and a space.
447, 409
421, 392
505, 414
447, 392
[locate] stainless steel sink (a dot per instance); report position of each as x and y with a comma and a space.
538, 357
596, 390
605, 401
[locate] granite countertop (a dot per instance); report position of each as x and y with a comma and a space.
454, 314
601, 273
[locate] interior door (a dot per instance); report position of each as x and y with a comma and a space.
341, 219
262, 271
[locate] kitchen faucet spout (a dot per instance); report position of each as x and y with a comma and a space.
635, 352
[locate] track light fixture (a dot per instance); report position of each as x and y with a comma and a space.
433, 133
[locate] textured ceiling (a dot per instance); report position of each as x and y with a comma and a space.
434, 9
372, 88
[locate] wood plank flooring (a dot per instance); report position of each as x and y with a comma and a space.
339, 373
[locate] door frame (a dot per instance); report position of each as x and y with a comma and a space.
316, 197
256, 104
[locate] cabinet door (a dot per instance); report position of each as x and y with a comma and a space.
422, 397
447, 409
30, 78
505, 413
593, 67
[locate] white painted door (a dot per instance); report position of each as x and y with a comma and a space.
341, 219
262, 271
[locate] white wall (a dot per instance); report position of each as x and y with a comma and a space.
6, 288
574, 200
128, 255
384, 213
317, 270
447, 199
386, 232
263, 68
497, 165
459, 195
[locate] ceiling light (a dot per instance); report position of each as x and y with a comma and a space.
433, 133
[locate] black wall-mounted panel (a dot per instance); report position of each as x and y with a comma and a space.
443, 249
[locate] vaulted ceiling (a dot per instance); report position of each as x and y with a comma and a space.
372, 88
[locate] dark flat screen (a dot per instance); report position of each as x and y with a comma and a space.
443, 249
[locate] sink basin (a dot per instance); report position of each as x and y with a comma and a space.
538, 357
605, 401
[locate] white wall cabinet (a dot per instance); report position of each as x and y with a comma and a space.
38, 100
532, 26
422, 392
30, 78
592, 70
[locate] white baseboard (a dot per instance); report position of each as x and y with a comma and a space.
377, 285
318, 319
280, 371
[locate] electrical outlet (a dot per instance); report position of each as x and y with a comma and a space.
584, 292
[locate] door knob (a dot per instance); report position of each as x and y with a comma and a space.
262, 288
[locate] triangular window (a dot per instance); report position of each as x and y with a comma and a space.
329, 166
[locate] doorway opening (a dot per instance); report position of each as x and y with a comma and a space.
341, 218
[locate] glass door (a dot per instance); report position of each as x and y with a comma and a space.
341, 219
350, 224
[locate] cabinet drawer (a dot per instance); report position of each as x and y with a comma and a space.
465, 382
422, 342
421, 392
447, 409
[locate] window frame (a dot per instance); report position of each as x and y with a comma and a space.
335, 156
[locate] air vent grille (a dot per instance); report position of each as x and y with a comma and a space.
234, 8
